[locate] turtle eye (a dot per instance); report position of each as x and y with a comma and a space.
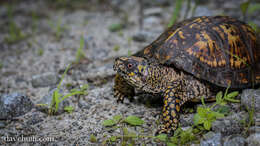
130, 65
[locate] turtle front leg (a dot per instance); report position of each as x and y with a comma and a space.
122, 89
173, 99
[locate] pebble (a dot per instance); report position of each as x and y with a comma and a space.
235, 141
45, 79
251, 98
230, 124
14, 105
211, 139
155, 11
253, 139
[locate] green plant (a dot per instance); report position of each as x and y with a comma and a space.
40, 52
57, 27
80, 54
129, 53
15, 33
1, 65
127, 137
176, 13
69, 109
115, 27
116, 48
206, 115
180, 137
57, 97
93, 138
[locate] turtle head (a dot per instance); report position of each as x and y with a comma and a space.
132, 69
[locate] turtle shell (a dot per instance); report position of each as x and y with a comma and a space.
219, 49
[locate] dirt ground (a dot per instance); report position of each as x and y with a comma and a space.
52, 32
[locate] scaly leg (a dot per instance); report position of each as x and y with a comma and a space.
172, 102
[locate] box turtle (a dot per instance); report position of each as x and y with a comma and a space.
188, 61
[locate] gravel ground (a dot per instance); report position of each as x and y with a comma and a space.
31, 68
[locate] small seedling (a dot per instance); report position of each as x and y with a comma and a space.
58, 28
80, 54
69, 109
15, 33
116, 48
115, 27
40, 52
1, 65
129, 53
206, 116
93, 138
57, 97
176, 13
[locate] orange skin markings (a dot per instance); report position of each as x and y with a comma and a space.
181, 35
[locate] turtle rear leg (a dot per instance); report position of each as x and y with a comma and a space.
122, 89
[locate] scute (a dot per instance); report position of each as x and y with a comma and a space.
219, 49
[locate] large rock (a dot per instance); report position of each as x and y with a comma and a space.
211, 139
253, 140
14, 105
235, 141
250, 98
45, 80
230, 124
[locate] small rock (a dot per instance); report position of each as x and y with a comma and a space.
143, 36
35, 118
14, 105
211, 139
254, 139
85, 103
45, 79
152, 21
2, 124
231, 124
251, 98
235, 141
98, 75
47, 100
153, 11
203, 11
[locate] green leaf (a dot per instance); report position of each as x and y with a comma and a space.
133, 120
171, 144
232, 94
109, 122
161, 137
196, 119
202, 111
125, 131
207, 125
254, 26
116, 48
223, 110
93, 138
218, 115
253, 8
113, 138
116, 118
244, 7
69, 109
219, 97
176, 13
115, 27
